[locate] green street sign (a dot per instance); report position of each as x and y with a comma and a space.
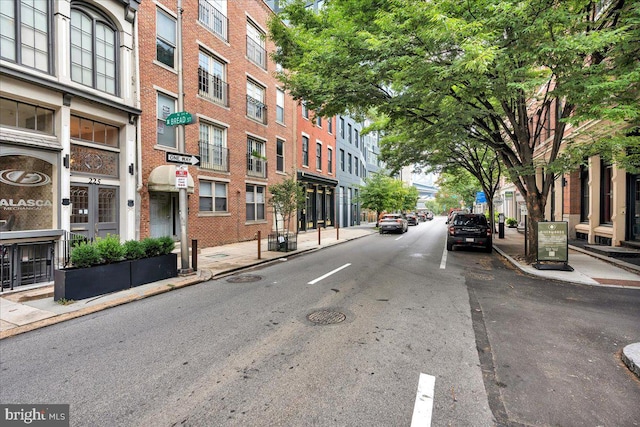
179, 118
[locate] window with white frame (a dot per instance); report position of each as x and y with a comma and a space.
165, 38
329, 160
93, 50
212, 78
305, 150
255, 202
256, 109
25, 34
330, 125
318, 156
213, 147
280, 105
256, 51
342, 127
213, 196
279, 155
166, 134
305, 110
213, 15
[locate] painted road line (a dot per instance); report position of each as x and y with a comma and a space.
314, 281
423, 408
398, 238
443, 261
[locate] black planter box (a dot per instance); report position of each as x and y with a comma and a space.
82, 283
147, 270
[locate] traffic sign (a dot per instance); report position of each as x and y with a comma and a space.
182, 177
183, 159
179, 118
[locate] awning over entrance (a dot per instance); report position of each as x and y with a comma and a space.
163, 179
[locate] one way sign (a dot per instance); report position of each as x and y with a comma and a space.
183, 159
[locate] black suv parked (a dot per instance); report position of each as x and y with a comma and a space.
469, 230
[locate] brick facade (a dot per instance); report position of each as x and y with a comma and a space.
230, 117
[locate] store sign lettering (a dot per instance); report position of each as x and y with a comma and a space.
22, 204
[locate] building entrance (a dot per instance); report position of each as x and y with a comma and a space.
94, 210
633, 208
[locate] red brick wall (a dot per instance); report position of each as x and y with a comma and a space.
219, 229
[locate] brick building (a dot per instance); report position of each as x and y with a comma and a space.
243, 122
316, 150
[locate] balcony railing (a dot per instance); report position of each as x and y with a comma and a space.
256, 53
214, 157
256, 166
256, 110
213, 19
213, 88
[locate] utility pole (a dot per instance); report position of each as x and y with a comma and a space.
183, 204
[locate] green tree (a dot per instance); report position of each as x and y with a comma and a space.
287, 197
505, 74
459, 185
380, 193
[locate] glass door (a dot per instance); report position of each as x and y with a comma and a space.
94, 210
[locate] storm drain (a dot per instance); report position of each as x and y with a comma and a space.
326, 317
244, 278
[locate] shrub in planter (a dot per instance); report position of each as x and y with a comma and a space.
152, 247
511, 222
168, 245
110, 249
85, 255
133, 249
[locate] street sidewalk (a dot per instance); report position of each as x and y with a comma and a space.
28, 309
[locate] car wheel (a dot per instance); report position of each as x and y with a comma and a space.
449, 246
489, 249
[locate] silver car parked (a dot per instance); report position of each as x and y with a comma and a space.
395, 223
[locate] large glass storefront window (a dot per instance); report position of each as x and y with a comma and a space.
26, 193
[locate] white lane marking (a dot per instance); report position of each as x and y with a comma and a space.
314, 281
443, 261
423, 408
398, 238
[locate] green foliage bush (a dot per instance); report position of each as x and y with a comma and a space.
85, 255
168, 245
152, 247
511, 222
133, 249
110, 248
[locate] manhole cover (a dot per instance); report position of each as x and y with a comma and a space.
245, 278
326, 317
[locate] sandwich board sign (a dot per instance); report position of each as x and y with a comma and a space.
553, 246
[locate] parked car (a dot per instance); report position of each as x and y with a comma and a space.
393, 223
429, 216
412, 219
471, 230
422, 217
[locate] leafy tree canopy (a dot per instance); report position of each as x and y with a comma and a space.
511, 75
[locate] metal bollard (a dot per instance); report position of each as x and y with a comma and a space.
337, 231
194, 254
318, 235
259, 240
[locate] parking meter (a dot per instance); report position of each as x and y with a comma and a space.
501, 226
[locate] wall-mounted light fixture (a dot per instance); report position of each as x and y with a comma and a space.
130, 203
65, 161
66, 202
131, 169
132, 119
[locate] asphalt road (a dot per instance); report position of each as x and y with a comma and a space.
245, 352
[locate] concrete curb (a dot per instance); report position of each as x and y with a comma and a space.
631, 357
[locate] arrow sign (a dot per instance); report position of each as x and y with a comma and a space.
183, 159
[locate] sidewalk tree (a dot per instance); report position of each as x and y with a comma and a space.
509, 75
287, 197
381, 193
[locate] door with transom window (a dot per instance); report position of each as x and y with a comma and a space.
94, 210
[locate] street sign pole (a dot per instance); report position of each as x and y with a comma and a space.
183, 204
